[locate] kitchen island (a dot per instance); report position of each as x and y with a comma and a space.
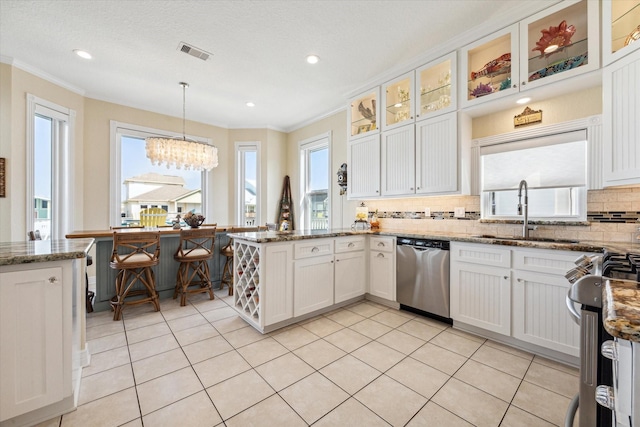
42, 339
165, 272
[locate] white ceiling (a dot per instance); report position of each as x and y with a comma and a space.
258, 47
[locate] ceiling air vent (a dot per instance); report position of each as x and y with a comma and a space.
194, 51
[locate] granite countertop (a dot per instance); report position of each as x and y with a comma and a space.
621, 309
12, 253
558, 244
164, 230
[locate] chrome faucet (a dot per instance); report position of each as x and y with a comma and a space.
525, 225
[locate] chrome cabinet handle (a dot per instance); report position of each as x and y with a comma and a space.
350, 245
381, 244
519, 279
505, 277
605, 397
315, 249
53, 280
380, 255
609, 349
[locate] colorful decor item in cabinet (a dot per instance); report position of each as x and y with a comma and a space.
502, 64
369, 113
633, 36
564, 65
555, 38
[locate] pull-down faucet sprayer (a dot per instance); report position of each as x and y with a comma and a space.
525, 225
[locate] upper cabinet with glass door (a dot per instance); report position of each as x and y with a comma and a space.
398, 102
620, 28
559, 42
490, 67
436, 87
363, 114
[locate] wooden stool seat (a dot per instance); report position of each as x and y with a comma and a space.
193, 254
227, 270
134, 254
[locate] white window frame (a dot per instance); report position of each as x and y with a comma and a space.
62, 170
240, 149
119, 129
304, 147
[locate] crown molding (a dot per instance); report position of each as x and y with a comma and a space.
41, 74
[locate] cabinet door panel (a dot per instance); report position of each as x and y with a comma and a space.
437, 155
539, 312
350, 277
480, 296
313, 284
364, 167
398, 161
382, 275
32, 337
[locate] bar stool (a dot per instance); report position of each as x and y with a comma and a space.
134, 253
227, 270
193, 254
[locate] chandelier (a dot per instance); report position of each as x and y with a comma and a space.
182, 153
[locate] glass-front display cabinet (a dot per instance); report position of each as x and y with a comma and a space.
620, 28
398, 101
363, 114
490, 67
435, 87
559, 42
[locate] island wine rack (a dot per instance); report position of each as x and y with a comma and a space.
247, 281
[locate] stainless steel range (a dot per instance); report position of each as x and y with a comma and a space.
609, 391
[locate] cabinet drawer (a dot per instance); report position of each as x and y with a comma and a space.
489, 255
313, 248
349, 244
382, 244
545, 261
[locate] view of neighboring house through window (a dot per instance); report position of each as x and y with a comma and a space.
49, 197
247, 183
145, 186
314, 181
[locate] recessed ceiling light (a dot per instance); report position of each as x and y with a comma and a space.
523, 100
82, 53
313, 59
250, 104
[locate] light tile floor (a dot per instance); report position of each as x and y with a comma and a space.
362, 365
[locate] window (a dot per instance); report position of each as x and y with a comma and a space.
554, 168
137, 184
248, 183
49, 171
314, 183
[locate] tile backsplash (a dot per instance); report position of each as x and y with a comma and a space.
613, 215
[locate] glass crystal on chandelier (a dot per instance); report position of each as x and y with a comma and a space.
181, 154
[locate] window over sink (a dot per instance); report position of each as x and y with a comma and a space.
555, 169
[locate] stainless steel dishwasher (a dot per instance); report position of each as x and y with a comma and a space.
422, 276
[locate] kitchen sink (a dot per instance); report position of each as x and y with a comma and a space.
530, 239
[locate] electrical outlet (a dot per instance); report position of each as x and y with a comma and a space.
458, 212
427, 212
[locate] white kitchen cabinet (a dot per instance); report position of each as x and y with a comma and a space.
278, 268
620, 125
312, 284
620, 29
35, 332
349, 276
436, 88
398, 161
398, 102
518, 293
480, 286
364, 167
382, 267
437, 155
508, 61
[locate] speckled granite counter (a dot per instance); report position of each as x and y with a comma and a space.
566, 245
621, 309
12, 253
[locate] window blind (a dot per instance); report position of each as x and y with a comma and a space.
554, 161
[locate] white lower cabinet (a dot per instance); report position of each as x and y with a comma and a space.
35, 337
514, 292
382, 267
277, 267
480, 286
350, 279
313, 284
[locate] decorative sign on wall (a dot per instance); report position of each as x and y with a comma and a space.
527, 117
